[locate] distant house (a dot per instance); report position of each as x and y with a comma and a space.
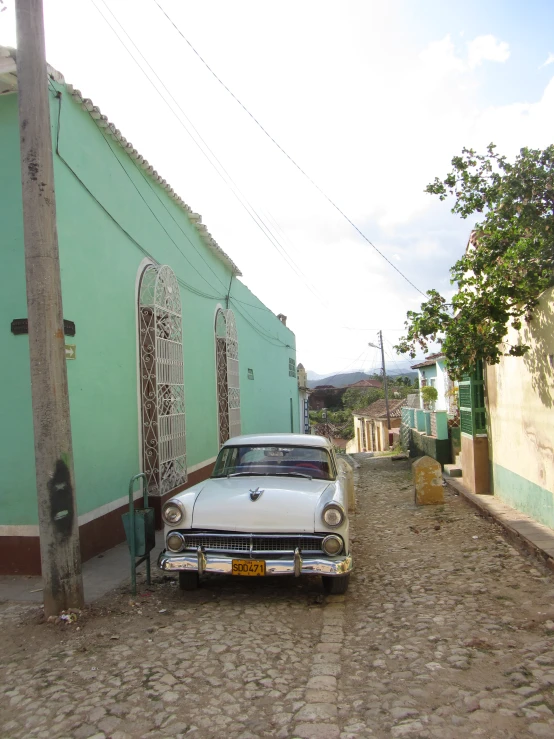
325, 396
363, 384
371, 427
432, 371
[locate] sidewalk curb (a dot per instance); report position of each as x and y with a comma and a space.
353, 463
521, 530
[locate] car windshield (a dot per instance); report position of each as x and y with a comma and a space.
275, 460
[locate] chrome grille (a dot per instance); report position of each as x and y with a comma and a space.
254, 543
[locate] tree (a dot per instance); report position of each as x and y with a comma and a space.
355, 398
508, 264
429, 394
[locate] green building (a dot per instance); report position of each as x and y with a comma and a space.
168, 353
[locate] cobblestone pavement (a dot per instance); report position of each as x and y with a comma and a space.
446, 632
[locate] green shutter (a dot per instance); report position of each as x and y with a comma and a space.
471, 398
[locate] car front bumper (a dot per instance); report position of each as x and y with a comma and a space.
221, 564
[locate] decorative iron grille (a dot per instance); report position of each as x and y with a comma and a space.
227, 365
162, 380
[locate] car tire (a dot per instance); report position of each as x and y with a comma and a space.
335, 585
188, 580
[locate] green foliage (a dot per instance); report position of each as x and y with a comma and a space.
429, 393
509, 264
356, 398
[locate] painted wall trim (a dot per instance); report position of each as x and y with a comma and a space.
94, 514
18, 530
524, 495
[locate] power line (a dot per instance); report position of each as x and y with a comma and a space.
226, 177
293, 162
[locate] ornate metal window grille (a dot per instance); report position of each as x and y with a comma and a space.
227, 366
292, 368
162, 380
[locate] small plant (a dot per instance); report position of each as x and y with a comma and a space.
429, 394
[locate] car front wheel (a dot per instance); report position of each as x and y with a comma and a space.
188, 580
335, 585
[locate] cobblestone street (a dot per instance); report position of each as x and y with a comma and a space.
446, 631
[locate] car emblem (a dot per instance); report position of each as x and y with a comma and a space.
255, 494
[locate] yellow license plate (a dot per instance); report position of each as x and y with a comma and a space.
248, 567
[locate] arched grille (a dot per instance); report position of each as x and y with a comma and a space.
162, 380
227, 365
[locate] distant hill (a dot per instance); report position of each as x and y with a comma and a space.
349, 378
314, 375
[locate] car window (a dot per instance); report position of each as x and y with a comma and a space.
275, 460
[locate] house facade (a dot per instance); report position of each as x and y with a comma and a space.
519, 398
371, 430
168, 352
432, 371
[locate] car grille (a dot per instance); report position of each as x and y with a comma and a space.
254, 543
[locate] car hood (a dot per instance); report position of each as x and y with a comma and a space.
287, 504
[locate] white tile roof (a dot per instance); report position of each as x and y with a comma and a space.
8, 83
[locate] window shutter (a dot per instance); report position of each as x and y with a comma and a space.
471, 398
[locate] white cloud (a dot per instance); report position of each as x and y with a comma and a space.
487, 48
549, 60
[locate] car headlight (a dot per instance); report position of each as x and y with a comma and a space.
333, 515
332, 545
175, 542
172, 513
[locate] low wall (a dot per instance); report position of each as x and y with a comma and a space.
419, 444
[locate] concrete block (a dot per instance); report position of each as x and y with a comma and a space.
427, 474
452, 470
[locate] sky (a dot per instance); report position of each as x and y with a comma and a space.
372, 99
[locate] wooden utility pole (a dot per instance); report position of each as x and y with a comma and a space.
57, 510
385, 384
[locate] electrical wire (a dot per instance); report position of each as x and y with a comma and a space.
282, 150
226, 177
131, 238
267, 337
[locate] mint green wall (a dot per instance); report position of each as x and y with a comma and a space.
16, 431
524, 495
110, 217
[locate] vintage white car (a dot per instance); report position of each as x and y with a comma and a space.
276, 504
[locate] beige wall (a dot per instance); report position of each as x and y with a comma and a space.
520, 396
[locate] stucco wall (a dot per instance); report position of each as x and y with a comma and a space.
110, 218
520, 396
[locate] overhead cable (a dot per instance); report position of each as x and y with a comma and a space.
282, 150
224, 174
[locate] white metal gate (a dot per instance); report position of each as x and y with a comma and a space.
228, 386
162, 380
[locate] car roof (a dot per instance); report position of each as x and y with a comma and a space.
281, 439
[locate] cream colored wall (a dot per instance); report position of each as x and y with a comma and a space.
520, 395
358, 434
352, 446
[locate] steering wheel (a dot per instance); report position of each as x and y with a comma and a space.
308, 465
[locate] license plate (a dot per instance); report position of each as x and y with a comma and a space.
248, 567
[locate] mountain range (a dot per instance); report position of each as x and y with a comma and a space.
348, 378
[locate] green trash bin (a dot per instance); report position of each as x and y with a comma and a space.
145, 533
